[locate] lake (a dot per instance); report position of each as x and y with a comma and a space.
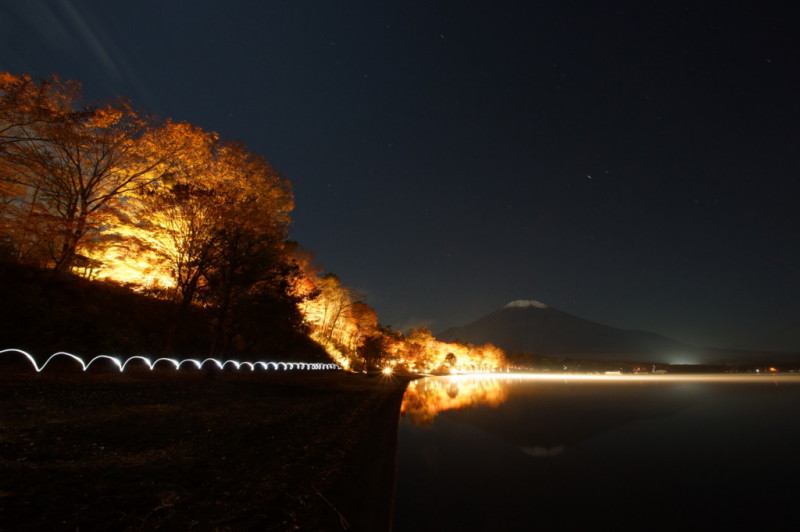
558, 452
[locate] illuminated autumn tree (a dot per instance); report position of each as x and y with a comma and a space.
419, 353
304, 283
365, 324
251, 273
174, 211
26, 108
327, 314
218, 222
168, 209
219, 209
336, 317
174, 216
71, 165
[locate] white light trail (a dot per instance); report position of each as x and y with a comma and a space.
121, 363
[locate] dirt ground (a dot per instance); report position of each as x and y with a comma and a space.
195, 451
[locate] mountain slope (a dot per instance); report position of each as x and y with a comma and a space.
533, 327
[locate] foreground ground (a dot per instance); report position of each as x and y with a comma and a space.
192, 451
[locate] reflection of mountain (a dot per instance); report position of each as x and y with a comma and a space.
550, 421
541, 451
633, 454
532, 327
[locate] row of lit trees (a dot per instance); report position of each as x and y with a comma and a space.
165, 206
175, 211
349, 330
419, 350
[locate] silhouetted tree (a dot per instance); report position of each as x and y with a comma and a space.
372, 352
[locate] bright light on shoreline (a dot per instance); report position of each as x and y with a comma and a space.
697, 377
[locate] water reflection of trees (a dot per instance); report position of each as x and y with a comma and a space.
425, 398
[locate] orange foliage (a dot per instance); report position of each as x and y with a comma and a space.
345, 326
420, 352
168, 207
336, 320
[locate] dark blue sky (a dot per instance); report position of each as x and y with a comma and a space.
634, 163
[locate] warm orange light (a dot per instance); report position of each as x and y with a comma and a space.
424, 399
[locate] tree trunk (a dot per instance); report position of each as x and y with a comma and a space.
74, 234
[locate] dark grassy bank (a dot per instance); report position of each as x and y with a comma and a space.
185, 451
43, 312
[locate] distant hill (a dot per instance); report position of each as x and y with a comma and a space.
528, 326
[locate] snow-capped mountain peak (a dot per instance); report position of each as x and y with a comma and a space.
523, 303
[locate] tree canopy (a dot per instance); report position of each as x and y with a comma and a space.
180, 214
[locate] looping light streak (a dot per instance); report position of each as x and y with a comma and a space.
177, 364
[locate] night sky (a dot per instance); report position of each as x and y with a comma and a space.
634, 163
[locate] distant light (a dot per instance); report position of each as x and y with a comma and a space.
683, 359
387, 370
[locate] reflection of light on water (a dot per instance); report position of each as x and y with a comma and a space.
425, 398
121, 364
647, 377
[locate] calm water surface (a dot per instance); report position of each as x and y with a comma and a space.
632, 453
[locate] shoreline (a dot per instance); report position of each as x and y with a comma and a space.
371, 469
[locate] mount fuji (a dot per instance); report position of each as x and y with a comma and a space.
530, 326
